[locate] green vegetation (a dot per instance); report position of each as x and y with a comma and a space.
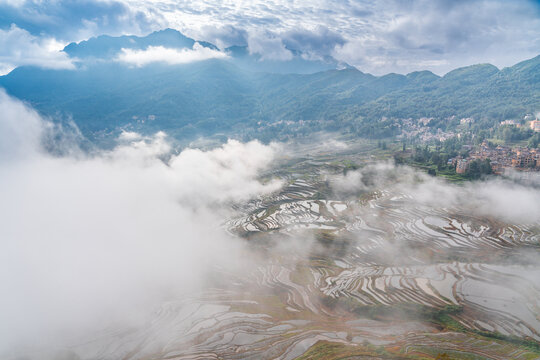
477, 168
325, 350
479, 91
534, 141
442, 317
218, 97
531, 345
435, 160
511, 133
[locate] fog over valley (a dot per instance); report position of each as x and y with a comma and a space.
154, 235
292, 180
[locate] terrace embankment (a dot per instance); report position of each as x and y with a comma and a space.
378, 276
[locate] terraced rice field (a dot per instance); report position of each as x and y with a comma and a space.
379, 276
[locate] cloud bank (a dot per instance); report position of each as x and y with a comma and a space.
505, 199
18, 48
90, 240
168, 56
377, 37
68, 20
93, 240
269, 47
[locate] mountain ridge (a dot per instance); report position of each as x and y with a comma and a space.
220, 95
105, 47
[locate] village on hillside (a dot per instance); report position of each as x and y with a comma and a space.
468, 150
503, 157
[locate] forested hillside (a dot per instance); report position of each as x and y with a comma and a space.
229, 95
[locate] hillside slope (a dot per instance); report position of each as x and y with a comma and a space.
230, 95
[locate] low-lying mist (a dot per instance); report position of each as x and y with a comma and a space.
95, 239
507, 199
89, 240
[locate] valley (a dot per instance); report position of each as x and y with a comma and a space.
381, 274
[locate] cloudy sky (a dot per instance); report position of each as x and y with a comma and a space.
375, 36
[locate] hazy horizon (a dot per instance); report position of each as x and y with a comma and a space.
374, 37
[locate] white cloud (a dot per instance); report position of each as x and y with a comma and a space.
91, 239
15, 3
18, 47
442, 35
506, 200
169, 56
378, 37
269, 48
381, 37
18, 139
129, 136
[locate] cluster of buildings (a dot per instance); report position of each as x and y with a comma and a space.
461, 164
465, 121
501, 158
535, 125
418, 129
511, 122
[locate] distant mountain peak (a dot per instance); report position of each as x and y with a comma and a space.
223, 95
473, 72
107, 47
